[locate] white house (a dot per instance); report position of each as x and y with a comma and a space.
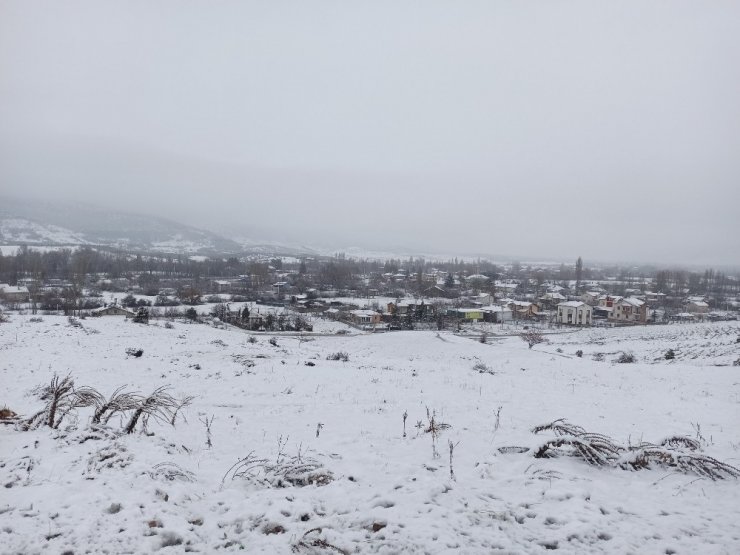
575, 313
696, 306
112, 310
496, 313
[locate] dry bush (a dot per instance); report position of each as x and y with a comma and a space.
676, 452
114, 455
532, 338
60, 399
678, 442
560, 427
159, 405
311, 542
512, 449
626, 358
339, 355
119, 402
63, 399
7, 414
296, 471
593, 448
171, 472
434, 428
702, 465
482, 368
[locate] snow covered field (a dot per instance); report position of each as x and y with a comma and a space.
328, 469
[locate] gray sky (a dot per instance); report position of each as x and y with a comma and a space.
609, 130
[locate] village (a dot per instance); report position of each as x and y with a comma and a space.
283, 293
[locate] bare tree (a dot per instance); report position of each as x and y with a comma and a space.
532, 338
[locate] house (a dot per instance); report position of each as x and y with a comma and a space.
507, 287
14, 293
437, 291
591, 297
482, 299
364, 317
608, 301
112, 310
279, 287
471, 314
602, 311
221, 285
575, 313
477, 280
631, 310
696, 306
655, 299
497, 314
551, 299
523, 309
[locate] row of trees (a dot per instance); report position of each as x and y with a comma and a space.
88, 266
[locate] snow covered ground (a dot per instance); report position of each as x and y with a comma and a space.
331, 470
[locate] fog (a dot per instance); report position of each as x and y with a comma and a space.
609, 130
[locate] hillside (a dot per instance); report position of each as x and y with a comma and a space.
46, 223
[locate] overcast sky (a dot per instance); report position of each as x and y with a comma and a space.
609, 130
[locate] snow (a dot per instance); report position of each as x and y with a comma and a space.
67, 491
20, 230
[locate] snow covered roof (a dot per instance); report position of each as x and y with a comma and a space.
573, 304
13, 289
495, 308
364, 312
633, 301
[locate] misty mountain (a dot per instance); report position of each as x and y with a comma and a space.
54, 223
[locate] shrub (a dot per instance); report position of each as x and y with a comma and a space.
626, 358
340, 355
482, 368
532, 338
141, 316
273, 341
670, 354
134, 352
579, 353
191, 314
